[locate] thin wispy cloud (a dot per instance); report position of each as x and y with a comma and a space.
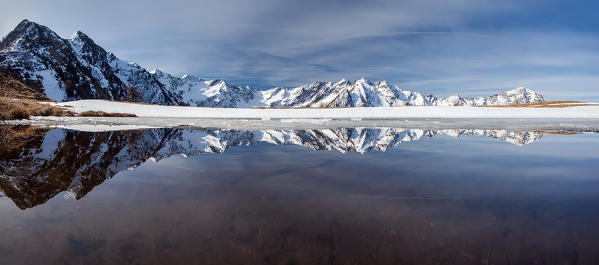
440, 47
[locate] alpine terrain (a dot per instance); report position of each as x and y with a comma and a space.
76, 68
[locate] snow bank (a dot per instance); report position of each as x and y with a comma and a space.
142, 110
103, 127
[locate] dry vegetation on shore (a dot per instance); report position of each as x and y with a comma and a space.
546, 104
12, 108
15, 109
105, 114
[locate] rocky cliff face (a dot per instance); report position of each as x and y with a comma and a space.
77, 68
74, 68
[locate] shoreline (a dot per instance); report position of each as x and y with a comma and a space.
126, 123
590, 111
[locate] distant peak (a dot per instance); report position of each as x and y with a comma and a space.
158, 72
80, 37
24, 28
363, 80
25, 22
189, 77
385, 84
343, 80
77, 35
520, 90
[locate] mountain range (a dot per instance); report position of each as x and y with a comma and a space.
37, 61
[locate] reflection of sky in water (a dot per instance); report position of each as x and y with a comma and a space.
440, 199
476, 165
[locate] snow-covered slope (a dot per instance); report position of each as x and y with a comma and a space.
44, 163
77, 68
193, 91
364, 93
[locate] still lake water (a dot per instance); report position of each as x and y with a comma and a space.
338, 196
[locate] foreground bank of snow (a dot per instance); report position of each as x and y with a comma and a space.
142, 110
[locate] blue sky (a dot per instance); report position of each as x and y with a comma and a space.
440, 47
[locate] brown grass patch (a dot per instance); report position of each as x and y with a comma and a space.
105, 114
556, 132
546, 104
12, 86
14, 109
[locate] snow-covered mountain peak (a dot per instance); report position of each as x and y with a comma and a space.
343, 80
216, 82
26, 27
363, 80
519, 95
132, 63
365, 93
384, 83
155, 71
77, 68
78, 35
518, 90
83, 44
524, 92
27, 34
190, 77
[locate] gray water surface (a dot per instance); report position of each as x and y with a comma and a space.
309, 196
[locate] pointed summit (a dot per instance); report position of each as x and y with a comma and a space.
157, 72
17, 33
24, 23
79, 38
87, 48
190, 78
27, 32
519, 89
524, 95
363, 81
77, 35
26, 26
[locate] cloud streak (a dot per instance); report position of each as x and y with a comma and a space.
435, 46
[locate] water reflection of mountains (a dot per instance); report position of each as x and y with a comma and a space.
36, 163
